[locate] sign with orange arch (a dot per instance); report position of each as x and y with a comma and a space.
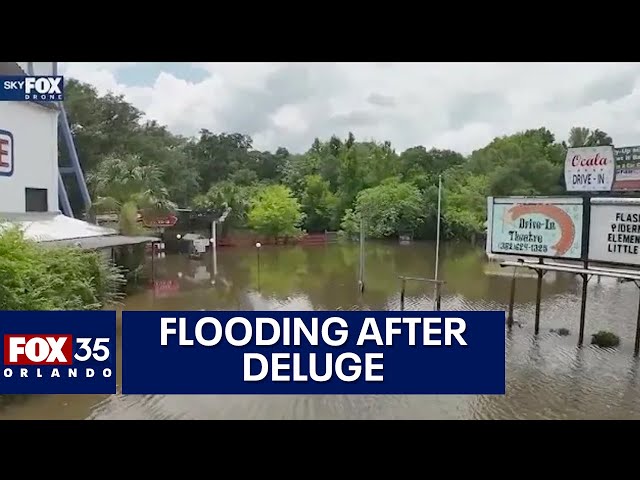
541, 227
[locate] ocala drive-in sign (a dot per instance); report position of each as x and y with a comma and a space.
589, 169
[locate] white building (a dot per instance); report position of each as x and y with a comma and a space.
29, 177
28, 154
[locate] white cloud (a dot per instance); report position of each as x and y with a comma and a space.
461, 106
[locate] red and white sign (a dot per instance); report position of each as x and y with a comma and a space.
160, 222
38, 349
166, 288
6, 153
589, 169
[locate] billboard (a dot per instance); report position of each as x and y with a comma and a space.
627, 168
589, 169
542, 227
614, 233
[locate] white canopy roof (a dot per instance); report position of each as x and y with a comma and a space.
52, 226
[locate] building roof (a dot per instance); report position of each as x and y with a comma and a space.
97, 243
56, 230
12, 68
52, 226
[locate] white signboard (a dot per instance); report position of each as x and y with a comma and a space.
627, 168
614, 232
589, 169
200, 244
537, 227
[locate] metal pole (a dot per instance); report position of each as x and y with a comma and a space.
435, 276
402, 293
512, 299
214, 247
73, 156
361, 279
438, 295
63, 197
586, 225
538, 298
258, 250
636, 348
153, 262
583, 307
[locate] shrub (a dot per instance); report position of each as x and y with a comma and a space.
35, 277
605, 339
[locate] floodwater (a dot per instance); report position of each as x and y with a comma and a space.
548, 377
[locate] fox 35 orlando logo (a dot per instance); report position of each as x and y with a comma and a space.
51, 356
38, 88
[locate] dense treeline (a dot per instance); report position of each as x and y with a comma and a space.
135, 165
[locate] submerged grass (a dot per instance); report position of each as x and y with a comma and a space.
34, 277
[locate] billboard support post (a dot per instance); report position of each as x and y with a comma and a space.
512, 299
636, 347
538, 297
576, 270
583, 307
586, 220
435, 281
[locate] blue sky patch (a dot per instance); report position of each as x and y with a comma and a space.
145, 74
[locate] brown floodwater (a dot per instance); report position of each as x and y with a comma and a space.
548, 377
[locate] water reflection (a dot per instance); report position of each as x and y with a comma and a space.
547, 376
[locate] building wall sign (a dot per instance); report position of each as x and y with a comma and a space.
6, 153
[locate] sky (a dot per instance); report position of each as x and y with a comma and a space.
459, 106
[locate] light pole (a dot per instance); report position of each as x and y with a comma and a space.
214, 247
258, 245
435, 275
362, 239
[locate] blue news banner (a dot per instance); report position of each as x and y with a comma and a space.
184, 352
58, 352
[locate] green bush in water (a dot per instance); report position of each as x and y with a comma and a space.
563, 332
34, 277
605, 339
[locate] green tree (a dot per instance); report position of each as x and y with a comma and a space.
527, 163
155, 145
464, 204
101, 126
318, 204
391, 208
585, 137
423, 166
124, 185
227, 194
276, 212
218, 156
